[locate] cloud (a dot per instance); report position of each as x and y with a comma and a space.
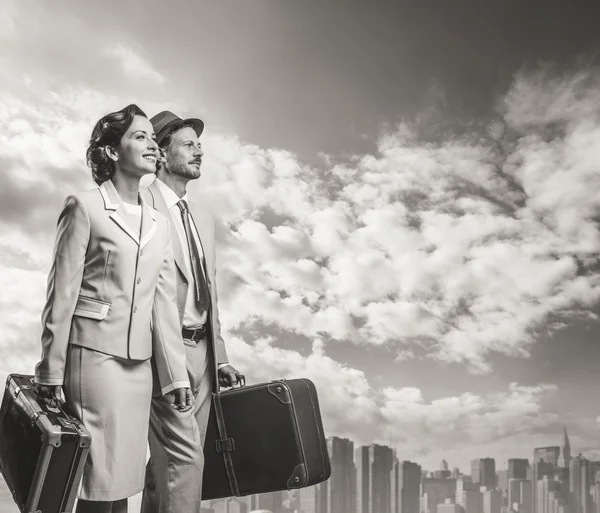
135, 65
448, 250
455, 248
458, 426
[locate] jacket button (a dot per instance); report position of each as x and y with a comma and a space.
134, 309
138, 281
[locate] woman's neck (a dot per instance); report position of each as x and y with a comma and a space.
128, 187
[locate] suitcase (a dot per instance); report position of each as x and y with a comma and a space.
42, 449
271, 439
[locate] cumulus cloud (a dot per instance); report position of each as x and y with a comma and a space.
134, 64
459, 426
462, 248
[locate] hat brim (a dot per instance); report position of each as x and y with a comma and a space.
197, 125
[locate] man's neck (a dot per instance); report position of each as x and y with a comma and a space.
176, 183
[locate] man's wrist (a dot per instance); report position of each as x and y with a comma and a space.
224, 364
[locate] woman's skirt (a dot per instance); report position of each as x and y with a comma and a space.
111, 396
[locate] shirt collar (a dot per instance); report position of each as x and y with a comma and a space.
170, 197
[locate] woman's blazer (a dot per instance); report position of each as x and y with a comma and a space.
111, 290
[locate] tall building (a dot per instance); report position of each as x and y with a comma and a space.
483, 472
520, 495
594, 469
437, 491
517, 468
550, 499
272, 501
565, 457
579, 485
448, 507
308, 500
492, 501
596, 493
462, 487
545, 462
338, 492
374, 464
409, 487
502, 480
472, 501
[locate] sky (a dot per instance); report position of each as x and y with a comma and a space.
406, 198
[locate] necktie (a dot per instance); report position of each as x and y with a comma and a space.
200, 286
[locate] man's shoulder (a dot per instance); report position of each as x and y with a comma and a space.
148, 193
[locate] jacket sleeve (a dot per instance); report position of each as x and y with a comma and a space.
167, 345
221, 352
64, 284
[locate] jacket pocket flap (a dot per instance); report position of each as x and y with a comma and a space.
91, 308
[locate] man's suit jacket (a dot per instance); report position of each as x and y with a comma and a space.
111, 290
206, 231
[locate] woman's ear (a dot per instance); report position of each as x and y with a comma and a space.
111, 153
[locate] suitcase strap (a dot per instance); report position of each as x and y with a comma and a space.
225, 445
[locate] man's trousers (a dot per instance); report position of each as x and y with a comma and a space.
174, 472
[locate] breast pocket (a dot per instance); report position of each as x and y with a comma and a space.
91, 308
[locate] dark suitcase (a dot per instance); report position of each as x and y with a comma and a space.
274, 440
42, 449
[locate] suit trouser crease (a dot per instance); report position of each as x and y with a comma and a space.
174, 472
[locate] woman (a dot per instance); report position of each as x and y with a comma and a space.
110, 307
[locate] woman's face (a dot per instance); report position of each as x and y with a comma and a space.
138, 150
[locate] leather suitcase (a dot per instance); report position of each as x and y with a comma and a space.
42, 449
271, 439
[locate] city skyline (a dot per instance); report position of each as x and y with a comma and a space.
554, 482
405, 198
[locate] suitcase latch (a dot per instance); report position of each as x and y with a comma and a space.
227, 445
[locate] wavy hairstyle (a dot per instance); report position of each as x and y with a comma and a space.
109, 131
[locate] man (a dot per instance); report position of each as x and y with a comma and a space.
174, 473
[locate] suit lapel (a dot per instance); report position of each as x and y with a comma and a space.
148, 224
113, 202
161, 206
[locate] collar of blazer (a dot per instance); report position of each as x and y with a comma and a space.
112, 201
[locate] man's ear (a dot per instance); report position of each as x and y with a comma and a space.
111, 153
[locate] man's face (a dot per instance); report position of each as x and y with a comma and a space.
184, 154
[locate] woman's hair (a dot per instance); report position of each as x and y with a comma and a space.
108, 132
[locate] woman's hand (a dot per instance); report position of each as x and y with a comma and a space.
181, 399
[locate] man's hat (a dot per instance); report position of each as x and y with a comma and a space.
166, 122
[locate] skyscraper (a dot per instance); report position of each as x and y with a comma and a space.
565, 457
338, 492
374, 464
437, 491
579, 485
545, 461
492, 501
520, 493
517, 468
308, 500
483, 472
409, 487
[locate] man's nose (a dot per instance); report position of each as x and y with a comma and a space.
198, 152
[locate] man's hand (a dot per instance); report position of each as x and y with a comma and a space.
181, 399
48, 392
229, 377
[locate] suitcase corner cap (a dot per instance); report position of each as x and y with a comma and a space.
299, 477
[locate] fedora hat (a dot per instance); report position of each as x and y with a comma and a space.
166, 122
